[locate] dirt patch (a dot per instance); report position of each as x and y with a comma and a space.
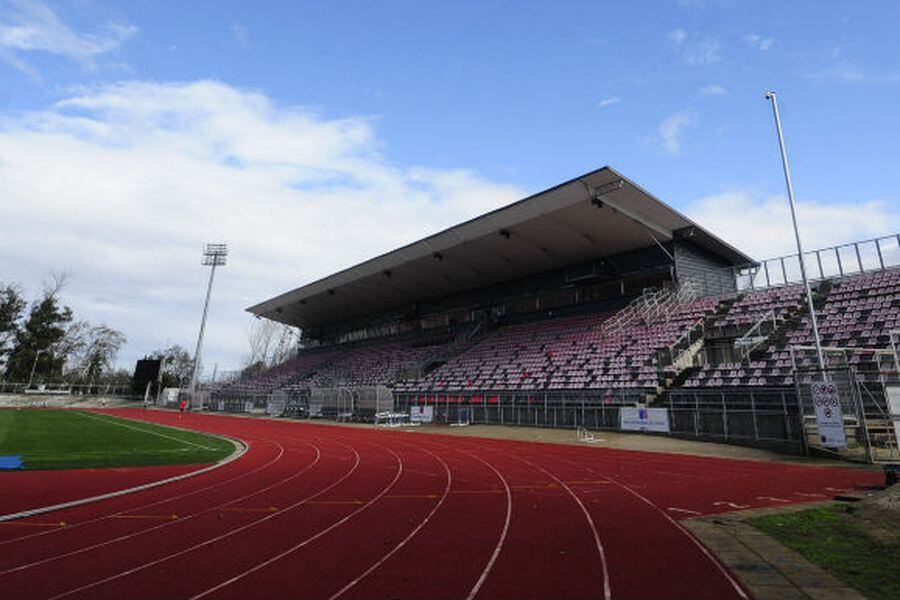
624, 441
878, 514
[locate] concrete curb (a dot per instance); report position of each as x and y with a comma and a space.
763, 565
240, 448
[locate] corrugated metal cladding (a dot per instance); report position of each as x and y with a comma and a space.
711, 272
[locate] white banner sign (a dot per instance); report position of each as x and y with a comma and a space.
893, 394
829, 417
421, 414
644, 419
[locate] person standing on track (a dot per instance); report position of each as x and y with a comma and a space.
182, 405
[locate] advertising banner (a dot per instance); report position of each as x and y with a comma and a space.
421, 414
829, 416
644, 419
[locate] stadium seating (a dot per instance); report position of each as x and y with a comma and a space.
579, 352
853, 312
566, 354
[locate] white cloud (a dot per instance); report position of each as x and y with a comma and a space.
713, 89
31, 26
240, 34
758, 42
695, 49
123, 184
844, 71
678, 36
671, 130
761, 225
609, 101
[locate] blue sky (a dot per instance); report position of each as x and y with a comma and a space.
335, 119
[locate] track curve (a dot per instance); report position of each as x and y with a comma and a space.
319, 511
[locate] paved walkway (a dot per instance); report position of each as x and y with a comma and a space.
770, 570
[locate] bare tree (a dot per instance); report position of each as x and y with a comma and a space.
94, 349
177, 365
270, 342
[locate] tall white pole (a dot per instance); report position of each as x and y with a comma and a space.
790, 190
34, 367
196, 371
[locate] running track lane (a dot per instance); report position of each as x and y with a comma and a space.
416, 516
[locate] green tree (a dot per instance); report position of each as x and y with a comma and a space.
12, 307
39, 337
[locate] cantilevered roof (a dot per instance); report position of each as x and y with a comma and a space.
598, 214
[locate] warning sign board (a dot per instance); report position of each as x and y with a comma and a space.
829, 416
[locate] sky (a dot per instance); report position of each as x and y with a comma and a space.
310, 136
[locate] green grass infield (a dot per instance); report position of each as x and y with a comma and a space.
841, 545
63, 439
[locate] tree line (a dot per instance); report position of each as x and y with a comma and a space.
43, 340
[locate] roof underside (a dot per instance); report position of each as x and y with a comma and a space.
549, 230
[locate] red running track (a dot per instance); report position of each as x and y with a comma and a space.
319, 511
34, 489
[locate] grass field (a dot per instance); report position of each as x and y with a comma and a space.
838, 544
57, 439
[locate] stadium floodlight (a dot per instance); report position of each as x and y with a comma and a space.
214, 255
770, 95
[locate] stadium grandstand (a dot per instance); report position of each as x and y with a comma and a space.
561, 308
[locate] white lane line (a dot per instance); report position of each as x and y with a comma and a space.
115, 421
163, 525
607, 588
721, 568
683, 510
490, 564
312, 538
396, 548
239, 452
163, 501
733, 505
205, 543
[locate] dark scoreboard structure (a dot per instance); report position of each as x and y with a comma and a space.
145, 371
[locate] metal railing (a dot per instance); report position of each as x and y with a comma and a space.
760, 417
748, 342
853, 258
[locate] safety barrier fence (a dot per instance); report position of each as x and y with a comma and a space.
75, 389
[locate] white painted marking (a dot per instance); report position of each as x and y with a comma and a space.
161, 526
683, 510
434, 509
115, 421
490, 564
733, 505
147, 565
607, 588
296, 547
773, 499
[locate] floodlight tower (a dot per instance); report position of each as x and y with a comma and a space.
213, 256
770, 95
